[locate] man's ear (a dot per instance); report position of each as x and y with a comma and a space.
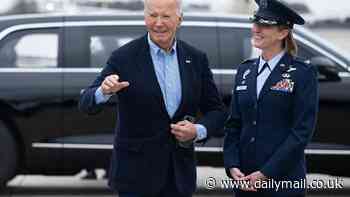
180, 19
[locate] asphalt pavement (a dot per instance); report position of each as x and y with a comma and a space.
74, 186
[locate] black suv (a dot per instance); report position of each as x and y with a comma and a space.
47, 60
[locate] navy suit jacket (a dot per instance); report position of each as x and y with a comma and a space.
143, 144
270, 133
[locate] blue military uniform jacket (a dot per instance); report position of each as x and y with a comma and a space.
270, 133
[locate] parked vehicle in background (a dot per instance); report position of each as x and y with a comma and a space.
320, 11
46, 61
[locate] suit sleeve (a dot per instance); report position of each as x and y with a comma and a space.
211, 105
232, 134
304, 121
87, 102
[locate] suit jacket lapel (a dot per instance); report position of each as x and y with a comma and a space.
145, 65
184, 61
275, 75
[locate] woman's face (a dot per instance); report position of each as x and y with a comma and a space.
268, 37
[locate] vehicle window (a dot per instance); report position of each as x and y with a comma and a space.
235, 46
203, 38
29, 50
102, 46
307, 53
104, 40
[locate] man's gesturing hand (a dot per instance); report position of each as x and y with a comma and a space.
112, 85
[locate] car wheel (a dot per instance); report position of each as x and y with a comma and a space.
8, 155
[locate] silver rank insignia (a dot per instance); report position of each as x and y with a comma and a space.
286, 75
291, 69
246, 73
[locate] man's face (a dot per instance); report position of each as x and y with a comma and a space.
162, 20
265, 37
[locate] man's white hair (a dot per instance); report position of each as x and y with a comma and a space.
178, 3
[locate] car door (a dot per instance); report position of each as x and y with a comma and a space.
88, 138
31, 92
235, 47
205, 38
332, 128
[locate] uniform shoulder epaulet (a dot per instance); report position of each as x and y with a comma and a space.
301, 60
248, 61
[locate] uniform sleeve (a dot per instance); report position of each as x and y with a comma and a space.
232, 134
304, 121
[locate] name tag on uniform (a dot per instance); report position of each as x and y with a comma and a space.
239, 88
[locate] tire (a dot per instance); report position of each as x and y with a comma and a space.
8, 155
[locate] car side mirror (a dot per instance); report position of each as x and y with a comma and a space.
327, 69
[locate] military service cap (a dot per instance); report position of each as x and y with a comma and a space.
274, 12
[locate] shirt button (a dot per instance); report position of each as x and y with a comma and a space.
254, 122
252, 139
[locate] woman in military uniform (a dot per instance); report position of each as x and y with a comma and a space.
274, 109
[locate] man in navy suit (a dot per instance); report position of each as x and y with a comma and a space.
274, 109
160, 81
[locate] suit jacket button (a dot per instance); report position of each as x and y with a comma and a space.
254, 122
252, 139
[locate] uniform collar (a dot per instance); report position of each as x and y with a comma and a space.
273, 61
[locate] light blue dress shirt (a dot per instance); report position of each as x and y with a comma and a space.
266, 73
167, 71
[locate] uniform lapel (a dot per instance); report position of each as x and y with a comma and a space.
275, 75
145, 65
251, 80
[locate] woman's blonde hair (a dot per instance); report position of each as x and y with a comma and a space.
289, 43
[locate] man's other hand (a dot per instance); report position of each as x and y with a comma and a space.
184, 131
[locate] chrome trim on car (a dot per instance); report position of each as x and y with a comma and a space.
344, 74
14, 28
73, 146
326, 152
50, 70
197, 149
320, 50
87, 70
224, 71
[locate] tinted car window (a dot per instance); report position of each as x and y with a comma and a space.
307, 53
101, 46
235, 46
30, 49
203, 38
104, 40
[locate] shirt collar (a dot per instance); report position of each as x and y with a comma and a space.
156, 49
272, 62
